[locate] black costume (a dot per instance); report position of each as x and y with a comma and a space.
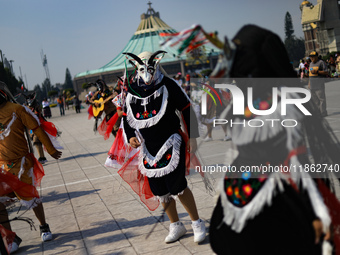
271, 213
151, 111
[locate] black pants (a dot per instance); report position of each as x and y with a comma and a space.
174, 182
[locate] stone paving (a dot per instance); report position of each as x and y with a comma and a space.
92, 211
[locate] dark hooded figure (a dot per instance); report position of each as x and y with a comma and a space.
271, 212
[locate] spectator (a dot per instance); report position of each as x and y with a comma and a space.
337, 61
302, 68
178, 79
317, 71
307, 63
60, 101
331, 65
46, 108
65, 101
76, 103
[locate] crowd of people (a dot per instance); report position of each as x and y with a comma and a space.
155, 127
332, 64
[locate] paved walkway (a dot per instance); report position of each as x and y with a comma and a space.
92, 211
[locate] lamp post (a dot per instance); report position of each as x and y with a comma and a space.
11, 61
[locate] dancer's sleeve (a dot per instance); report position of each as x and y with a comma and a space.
183, 104
129, 131
31, 123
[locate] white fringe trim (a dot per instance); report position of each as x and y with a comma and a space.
174, 141
318, 205
30, 204
7, 131
22, 169
237, 217
144, 123
244, 134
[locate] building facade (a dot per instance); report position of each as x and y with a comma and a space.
321, 26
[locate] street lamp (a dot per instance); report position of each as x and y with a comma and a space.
11, 61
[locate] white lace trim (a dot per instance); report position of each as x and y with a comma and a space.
31, 203
164, 199
167, 197
174, 141
144, 123
7, 131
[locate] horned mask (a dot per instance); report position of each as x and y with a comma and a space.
147, 65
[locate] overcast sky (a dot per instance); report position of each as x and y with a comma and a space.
84, 35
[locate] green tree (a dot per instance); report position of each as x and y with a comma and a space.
68, 84
39, 93
45, 87
85, 86
52, 93
289, 30
69, 91
7, 77
295, 46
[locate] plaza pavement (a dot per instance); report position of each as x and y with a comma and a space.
92, 211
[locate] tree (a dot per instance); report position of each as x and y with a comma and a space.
39, 93
7, 77
295, 46
85, 86
52, 93
289, 30
45, 87
68, 84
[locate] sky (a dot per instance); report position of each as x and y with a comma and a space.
85, 35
